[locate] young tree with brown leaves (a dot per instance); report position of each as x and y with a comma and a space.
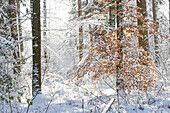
115, 54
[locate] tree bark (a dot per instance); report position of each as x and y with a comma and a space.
45, 28
13, 33
119, 82
143, 42
169, 27
13, 21
111, 17
36, 46
154, 8
80, 32
19, 25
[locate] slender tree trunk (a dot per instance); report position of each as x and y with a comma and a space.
169, 27
119, 82
74, 3
111, 17
91, 38
19, 26
13, 22
36, 46
80, 32
143, 42
87, 1
1, 21
154, 8
45, 28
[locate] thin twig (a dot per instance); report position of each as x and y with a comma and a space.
31, 101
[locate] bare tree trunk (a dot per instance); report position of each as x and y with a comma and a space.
36, 46
119, 82
154, 8
111, 17
13, 22
19, 26
143, 42
80, 32
45, 28
169, 27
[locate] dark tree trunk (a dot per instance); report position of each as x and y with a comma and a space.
44, 32
111, 17
169, 27
36, 46
143, 42
119, 82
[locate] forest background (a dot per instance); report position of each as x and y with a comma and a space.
84, 56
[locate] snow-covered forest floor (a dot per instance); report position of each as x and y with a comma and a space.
62, 96
67, 98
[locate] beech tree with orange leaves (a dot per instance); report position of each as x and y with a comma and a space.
114, 52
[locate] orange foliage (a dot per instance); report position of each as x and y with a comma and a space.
107, 52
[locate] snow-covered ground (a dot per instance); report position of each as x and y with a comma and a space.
62, 96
